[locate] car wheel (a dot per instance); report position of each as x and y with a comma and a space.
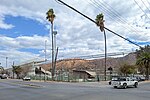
115, 87
124, 85
110, 83
135, 85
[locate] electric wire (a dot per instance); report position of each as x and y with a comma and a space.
105, 10
141, 8
100, 55
118, 15
95, 23
145, 5
129, 28
148, 2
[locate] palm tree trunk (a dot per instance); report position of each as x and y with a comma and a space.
105, 55
147, 73
53, 73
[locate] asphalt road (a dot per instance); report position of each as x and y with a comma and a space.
19, 90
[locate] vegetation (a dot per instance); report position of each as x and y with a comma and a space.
17, 70
100, 21
1, 69
50, 15
142, 50
143, 60
126, 69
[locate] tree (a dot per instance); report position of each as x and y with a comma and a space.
142, 50
50, 16
25, 71
126, 69
100, 23
1, 69
144, 61
17, 70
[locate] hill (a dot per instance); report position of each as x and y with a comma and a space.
96, 64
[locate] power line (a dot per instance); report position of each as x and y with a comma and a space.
148, 2
100, 55
95, 23
103, 6
145, 5
141, 8
118, 15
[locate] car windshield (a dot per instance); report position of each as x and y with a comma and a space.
119, 79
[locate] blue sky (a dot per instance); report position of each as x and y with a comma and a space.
23, 26
24, 29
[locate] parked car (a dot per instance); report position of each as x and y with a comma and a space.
3, 76
26, 78
124, 82
140, 78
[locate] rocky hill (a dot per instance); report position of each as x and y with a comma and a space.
70, 64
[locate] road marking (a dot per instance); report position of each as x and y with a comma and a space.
22, 84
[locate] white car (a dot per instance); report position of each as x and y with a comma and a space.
124, 82
26, 78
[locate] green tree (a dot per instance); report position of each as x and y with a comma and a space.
17, 70
100, 21
126, 69
144, 61
1, 69
142, 50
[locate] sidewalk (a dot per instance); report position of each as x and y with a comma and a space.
147, 81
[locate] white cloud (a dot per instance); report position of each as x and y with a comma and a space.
33, 42
4, 25
16, 56
76, 34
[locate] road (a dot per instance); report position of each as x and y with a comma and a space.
19, 90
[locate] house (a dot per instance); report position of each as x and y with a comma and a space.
84, 75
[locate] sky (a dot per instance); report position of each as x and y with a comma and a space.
25, 32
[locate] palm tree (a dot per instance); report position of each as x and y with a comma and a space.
100, 23
50, 17
17, 70
144, 60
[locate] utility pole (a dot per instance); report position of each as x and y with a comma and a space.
13, 68
55, 51
45, 61
55, 59
54, 33
6, 61
45, 50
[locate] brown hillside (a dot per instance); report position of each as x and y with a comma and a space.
92, 64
